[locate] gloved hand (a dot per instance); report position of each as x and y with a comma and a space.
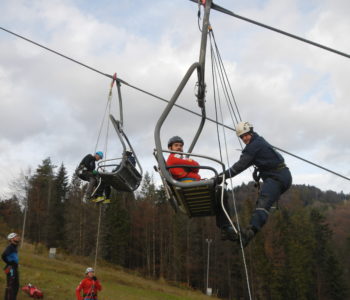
220, 178
94, 278
95, 172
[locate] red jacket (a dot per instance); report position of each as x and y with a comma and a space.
178, 173
89, 288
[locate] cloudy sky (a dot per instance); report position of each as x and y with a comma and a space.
296, 95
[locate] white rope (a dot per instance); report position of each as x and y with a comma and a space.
98, 237
233, 196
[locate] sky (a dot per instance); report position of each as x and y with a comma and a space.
294, 94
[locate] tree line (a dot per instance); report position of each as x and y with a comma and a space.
294, 256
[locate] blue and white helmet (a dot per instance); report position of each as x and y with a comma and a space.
100, 154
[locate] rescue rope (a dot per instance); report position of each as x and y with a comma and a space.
98, 237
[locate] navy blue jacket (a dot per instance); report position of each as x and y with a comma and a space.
259, 153
10, 255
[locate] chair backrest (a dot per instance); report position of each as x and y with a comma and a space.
125, 178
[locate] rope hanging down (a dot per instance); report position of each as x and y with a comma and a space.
218, 71
162, 99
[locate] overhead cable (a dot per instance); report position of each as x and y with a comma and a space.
160, 98
228, 12
53, 51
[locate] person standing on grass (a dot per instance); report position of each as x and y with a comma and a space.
89, 285
10, 257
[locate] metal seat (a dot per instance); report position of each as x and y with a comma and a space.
194, 198
125, 178
198, 200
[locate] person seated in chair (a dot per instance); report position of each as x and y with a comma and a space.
130, 157
176, 143
188, 174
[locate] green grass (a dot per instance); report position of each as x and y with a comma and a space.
58, 278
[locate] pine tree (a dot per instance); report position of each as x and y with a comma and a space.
56, 209
39, 200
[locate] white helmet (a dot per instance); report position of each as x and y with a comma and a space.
88, 270
243, 127
11, 236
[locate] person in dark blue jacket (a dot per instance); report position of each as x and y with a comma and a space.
272, 170
10, 257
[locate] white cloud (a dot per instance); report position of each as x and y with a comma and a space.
295, 95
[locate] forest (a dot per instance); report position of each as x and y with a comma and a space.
302, 253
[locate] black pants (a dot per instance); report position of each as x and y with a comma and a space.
221, 218
12, 284
273, 187
104, 188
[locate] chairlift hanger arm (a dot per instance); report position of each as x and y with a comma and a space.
230, 13
122, 137
201, 73
120, 104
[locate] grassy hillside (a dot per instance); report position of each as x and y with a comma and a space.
59, 277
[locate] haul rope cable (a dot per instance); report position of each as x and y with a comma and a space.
162, 99
228, 12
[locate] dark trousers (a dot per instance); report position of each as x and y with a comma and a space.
12, 284
221, 218
104, 188
91, 178
272, 188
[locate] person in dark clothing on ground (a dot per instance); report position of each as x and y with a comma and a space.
270, 167
10, 257
86, 171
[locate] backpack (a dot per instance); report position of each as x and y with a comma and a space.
33, 291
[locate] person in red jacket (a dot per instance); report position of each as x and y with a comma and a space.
191, 174
181, 174
89, 285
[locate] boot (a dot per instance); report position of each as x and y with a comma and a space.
247, 235
98, 199
227, 233
106, 201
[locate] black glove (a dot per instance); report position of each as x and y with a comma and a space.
94, 278
220, 178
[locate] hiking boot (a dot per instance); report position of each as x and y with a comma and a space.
228, 233
106, 201
247, 235
98, 199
